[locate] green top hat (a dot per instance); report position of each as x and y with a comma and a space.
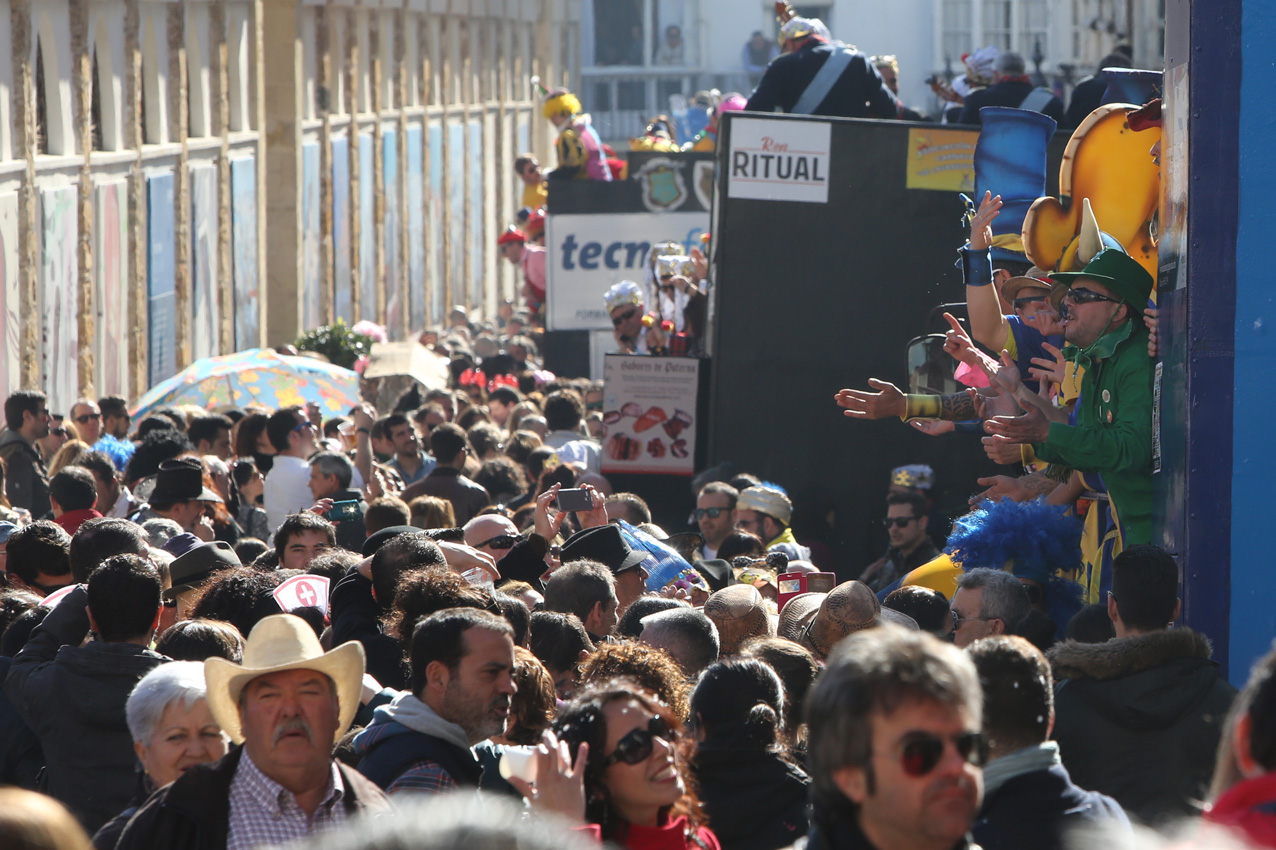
1119, 272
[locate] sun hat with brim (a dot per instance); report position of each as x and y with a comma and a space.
1034, 278
1119, 272
850, 607
277, 643
738, 613
796, 615
188, 571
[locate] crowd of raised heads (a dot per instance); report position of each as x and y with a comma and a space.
244, 627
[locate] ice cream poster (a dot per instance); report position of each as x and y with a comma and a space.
649, 413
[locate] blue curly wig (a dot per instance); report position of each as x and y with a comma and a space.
1039, 539
1040, 542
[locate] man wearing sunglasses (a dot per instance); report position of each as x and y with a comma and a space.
897, 716
906, 523
492, 534
26, 415
88, 420
1111, 432
716, 515
626, 307
287, 489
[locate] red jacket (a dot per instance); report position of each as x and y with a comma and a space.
72, 520
1249, 807
671, 836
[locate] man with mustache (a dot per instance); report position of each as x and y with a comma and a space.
286, 704
462, 666
898, 767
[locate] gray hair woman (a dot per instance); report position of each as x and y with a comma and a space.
173, 730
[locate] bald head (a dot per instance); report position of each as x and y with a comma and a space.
482, 529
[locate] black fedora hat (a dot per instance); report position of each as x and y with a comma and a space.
181, 480
606, 545
717, 572
198, 564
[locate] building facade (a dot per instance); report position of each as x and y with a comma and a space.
186, 178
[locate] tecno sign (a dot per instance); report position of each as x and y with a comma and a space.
772, 160
588, 253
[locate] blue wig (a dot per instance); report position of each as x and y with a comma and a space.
1033, 540
1039, 539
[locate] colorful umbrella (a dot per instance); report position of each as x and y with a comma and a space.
259, 376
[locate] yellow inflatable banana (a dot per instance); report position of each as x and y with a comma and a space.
1109, 164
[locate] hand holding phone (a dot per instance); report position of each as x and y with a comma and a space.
575, 500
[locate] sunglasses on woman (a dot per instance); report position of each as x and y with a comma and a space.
624, 317
923, 751
636, 747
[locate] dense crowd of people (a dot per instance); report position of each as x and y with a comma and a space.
392, 628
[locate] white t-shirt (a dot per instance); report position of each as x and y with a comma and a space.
287, 489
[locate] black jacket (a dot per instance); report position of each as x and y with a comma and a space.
1006, 93
357, 616
73, 698
1139, 719
1086, 97
193, 813
843, 833
755, 800
859, 92
20, 757
26, 481
1038, 808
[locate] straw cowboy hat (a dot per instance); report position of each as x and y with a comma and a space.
277, 643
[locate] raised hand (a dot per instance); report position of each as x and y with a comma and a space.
547, 524
961, 347
862, 404
981, 224
560, 784
1051, 369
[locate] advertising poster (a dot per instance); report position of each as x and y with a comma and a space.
943, 160
649, 409
772, 160
588, 253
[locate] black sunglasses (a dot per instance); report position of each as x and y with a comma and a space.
502, 541
923, 751
636, 747
87, 417
1087, 296
898, 521
624, 317
711, 513
1020, 303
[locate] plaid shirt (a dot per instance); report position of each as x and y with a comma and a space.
263, 813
